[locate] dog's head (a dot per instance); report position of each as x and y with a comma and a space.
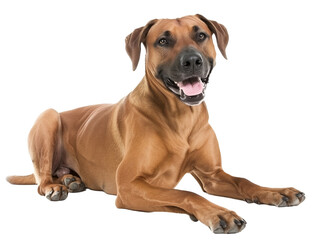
180, 53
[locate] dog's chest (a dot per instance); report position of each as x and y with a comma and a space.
168, 171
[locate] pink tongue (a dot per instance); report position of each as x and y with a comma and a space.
192, 89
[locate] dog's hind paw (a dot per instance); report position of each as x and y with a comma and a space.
73, 183
56, 192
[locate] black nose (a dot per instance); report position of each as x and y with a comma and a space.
191, 61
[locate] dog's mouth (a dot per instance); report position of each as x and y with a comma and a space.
191, 91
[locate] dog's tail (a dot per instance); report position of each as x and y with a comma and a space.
22, 180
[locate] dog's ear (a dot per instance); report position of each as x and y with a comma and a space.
220, 32
134, 40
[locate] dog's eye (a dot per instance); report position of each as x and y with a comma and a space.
163, 42
201, 37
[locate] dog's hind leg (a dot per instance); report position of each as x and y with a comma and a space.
44, 143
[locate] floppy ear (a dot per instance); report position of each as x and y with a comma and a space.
220, 32
134, 40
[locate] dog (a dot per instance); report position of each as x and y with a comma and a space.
141, 147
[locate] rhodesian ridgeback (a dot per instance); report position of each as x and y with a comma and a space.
141, 147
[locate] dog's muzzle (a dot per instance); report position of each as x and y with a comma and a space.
187, 77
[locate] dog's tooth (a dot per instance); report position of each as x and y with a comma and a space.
183, 96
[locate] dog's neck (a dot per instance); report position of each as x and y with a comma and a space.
152, 94
151, 91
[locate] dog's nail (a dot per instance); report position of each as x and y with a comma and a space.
48, 195
193, 218
238, 222
284, 202
223, 224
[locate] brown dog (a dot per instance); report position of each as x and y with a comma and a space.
141, 147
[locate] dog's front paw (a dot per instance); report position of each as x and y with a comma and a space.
226, 222
281, 197
290, 197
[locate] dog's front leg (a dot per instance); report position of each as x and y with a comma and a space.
140, 195
210, 175
222, 184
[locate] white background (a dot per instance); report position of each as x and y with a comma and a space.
263, 105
